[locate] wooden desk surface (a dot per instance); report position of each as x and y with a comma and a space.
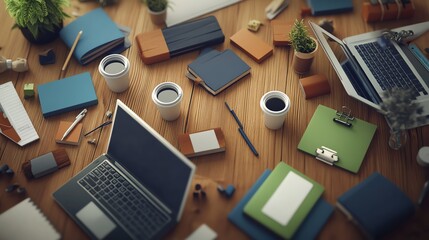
200, 110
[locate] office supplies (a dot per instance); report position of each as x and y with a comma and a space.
253, 25
163, 44
362, 78
376, 214
203, 232
348, 144
29, 90
71, 50
248, 142
234, 115
181, 12
423, 193
387, 11
309, 229
284, 200
215, 70
98, 127
78, 118
252, 45
19, 65
46, 163
15, 123
281, 32
73, 138
202, 142
314, 86
344, 116
75, 92
26, 221
47, 57
325, 7
275, 8
97, 41
135, 157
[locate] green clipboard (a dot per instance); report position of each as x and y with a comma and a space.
349, 142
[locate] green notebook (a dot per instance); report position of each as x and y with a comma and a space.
284, 200
350, 143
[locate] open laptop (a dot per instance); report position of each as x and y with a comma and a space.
137, 190
366, 69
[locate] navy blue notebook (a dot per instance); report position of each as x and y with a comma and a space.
309, 229
67, 94
100, 37
324, 7
215, 70
376, 205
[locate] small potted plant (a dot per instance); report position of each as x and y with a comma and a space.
401, 113
157, 10
304, 47
40, 21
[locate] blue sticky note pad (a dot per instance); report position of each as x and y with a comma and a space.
60, 96
309, 229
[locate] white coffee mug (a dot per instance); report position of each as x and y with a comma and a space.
115, 69
275, 106
423, 156
167, 96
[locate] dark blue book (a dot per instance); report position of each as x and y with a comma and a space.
325, 7
376, 205
309, 228
67, 94
100, 37
215, 70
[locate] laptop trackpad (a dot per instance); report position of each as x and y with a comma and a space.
95, 220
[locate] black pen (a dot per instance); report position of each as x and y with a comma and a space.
243, 134
102, 125
234, 115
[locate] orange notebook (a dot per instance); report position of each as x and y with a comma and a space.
248, 42
74, 136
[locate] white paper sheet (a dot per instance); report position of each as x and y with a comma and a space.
204, 141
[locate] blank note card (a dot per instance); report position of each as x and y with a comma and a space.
287, 198
204, 141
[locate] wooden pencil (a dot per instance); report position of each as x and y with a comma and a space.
71, 50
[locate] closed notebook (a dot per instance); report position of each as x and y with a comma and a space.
284, 200
324, 7
215, 70
101, 36
202, 142
252, 45
67, 94
376, 205
73, 138
309, 229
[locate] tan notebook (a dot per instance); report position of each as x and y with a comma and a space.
74, 136
281, 32
202, 143
248, 42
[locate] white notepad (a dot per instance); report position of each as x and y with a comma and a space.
25, 221
16, 114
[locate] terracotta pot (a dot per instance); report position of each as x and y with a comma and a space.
158, 18
302, 61
44, 36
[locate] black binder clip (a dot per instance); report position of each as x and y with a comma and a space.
398, 37
326, 155
344, 117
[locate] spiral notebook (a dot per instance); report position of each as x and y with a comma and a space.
26, 221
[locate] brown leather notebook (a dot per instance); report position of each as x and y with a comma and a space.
248, 42
281, 32
314, 86
73, 138
202, 142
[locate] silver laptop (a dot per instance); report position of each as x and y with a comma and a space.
367, 69
137, 190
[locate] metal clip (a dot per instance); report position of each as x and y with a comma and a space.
326, 155
344, 116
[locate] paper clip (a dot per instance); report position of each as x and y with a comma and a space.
275, 7
344, 116
398, 37
326, 155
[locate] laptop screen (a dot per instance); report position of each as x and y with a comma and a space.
150, 159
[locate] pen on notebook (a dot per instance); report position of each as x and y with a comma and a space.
234, 115
100, 126
243, 134
76, 121
71, 51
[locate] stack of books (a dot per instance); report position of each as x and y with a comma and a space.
283, 203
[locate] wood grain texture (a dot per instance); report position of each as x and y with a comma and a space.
200, 110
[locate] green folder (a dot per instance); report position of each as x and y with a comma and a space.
350, 143
255, 205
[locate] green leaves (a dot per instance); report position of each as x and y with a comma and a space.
300, 39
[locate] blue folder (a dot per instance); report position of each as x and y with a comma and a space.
67, 94
309, 229
325, 7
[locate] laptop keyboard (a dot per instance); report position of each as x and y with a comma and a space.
389, 68
132, 209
